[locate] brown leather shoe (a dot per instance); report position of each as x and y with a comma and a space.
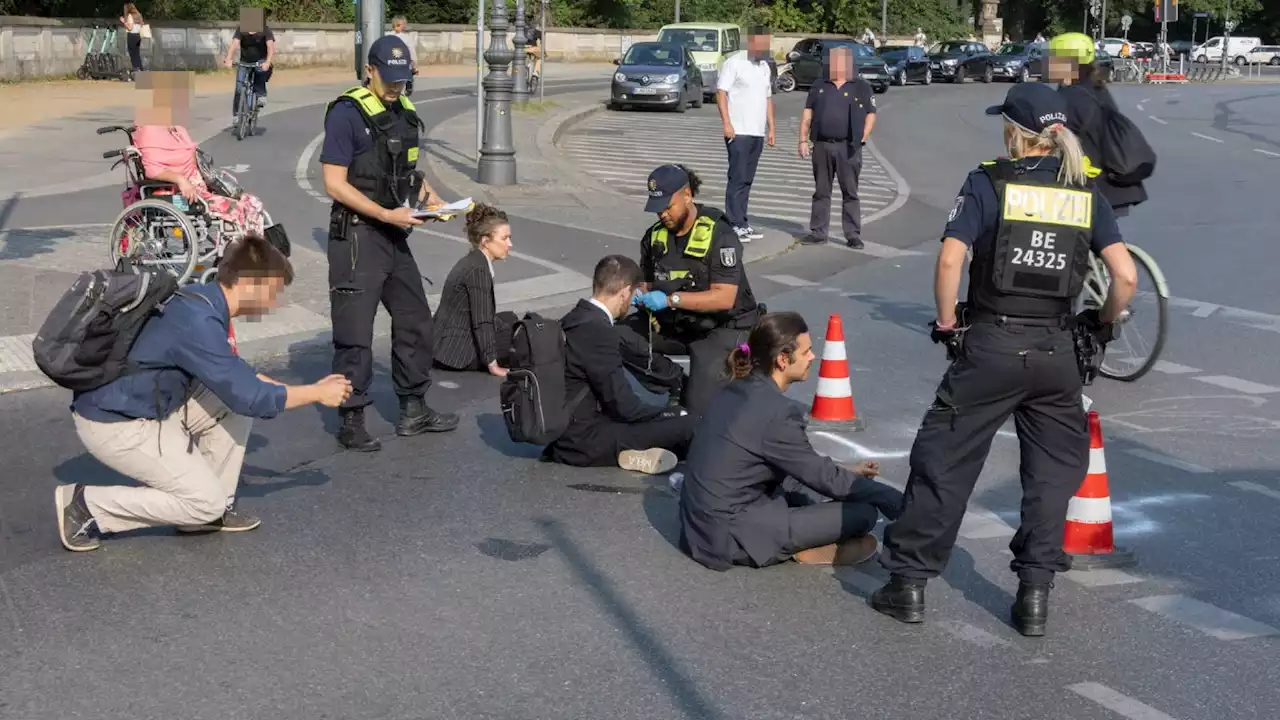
853, 551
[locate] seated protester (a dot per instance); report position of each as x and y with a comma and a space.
169, 155
469, 334
181, 430
733, 510
612, 421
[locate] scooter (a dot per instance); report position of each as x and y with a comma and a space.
786, 80
101, 63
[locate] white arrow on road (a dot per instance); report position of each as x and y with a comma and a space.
236, 168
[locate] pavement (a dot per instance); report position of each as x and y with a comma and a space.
453, 576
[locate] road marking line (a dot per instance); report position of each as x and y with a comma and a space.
1153, 117
975, 635
1234, 383
1205, 310
876, 249
1266, 152
1171, 368
831, 290
1116, 702
861, 452
39, 228
1206, 137
1166, 460
1101, 578
1255, 487
16, 354
983, 525
791, 280
1208, 619
1140, 108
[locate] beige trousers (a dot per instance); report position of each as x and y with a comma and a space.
181, 488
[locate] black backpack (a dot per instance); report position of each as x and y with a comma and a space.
84, 342
533, 393
1126, 156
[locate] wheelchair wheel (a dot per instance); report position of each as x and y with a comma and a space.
154, 233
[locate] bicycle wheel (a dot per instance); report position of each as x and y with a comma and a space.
1143, 326
156, 234
242, 117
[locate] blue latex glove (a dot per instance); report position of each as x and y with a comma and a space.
653, 301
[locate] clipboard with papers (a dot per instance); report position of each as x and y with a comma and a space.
446, 212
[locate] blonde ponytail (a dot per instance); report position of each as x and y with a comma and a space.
1067, 147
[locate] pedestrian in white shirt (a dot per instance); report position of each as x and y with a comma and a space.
744, 94
399, 28
921, 40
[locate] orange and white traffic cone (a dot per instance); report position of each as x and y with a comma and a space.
833, 407
1088, 538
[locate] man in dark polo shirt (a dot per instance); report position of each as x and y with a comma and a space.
838, 116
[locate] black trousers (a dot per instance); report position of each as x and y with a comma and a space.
599, 445
259, 81
367, 267
134, 45
816, 525
744, 157
841, 161
1029, 373
708, 355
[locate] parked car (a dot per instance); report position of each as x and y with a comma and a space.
956, 60
809, 57
1018, 62
709, 43
1264, 55
907, 63
657, 74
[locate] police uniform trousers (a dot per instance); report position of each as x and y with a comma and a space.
367, 267
707, 353
836, 160
1006, 369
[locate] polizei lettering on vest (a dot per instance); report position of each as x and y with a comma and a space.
1053, 205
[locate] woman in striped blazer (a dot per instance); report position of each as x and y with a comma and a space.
470, 334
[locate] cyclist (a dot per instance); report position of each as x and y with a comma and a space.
533, 36
1084, 87
256, 46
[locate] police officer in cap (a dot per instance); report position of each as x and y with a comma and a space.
1031, 222
698, 297
369, 160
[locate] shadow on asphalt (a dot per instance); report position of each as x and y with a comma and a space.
911, 316
450, 156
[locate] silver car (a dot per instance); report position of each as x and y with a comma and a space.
656, 74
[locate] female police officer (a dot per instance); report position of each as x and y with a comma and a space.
1031, 222
733, 509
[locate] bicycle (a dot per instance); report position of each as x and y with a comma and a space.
1127, 71
531, 75
247, 117
1152, 302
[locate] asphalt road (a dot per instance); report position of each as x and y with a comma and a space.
455, 577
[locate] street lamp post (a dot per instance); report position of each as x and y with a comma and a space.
520, 67
497, 164
1228, 25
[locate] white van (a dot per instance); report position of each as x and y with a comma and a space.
1211, 50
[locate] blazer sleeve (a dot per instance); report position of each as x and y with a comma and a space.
479, 287
602, 363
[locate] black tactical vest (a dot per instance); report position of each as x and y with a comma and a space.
688, 270
1037, 264
385, 173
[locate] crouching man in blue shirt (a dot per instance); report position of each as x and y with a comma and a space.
181, 430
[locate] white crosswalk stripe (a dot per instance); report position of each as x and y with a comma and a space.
620, 149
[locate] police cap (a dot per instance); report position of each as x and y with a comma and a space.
1032, 106
390, 56
665, 182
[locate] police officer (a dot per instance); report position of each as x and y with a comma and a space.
1031, 223
698, 297
837, 121
369, 158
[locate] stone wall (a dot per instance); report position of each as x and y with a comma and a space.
32, 47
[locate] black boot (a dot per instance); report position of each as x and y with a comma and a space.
417, 418
900, 599
353, 435
1031, 609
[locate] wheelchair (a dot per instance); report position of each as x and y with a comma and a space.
160, 228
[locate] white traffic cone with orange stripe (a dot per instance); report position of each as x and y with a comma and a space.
833, 407
1089, 538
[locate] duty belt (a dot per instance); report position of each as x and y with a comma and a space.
1060, 321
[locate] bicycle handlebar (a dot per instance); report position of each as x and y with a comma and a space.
117, 128
112, 153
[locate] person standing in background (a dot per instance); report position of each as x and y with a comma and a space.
132, 22
837, 121
921, 39
399, 27
744, 94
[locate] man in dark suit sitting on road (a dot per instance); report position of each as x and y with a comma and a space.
615, 422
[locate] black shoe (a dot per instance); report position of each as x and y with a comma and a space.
75, 523
353, 435
1030, 610
231, 521
812, 239
855, 243
900, 599
417, 418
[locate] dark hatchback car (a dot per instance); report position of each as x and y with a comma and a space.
809, 58
655, 74
1018, 62
906, 63
956, 60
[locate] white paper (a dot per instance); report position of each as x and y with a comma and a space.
452, 208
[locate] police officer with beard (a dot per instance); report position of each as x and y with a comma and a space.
1031, 222
698, 297
369, 161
